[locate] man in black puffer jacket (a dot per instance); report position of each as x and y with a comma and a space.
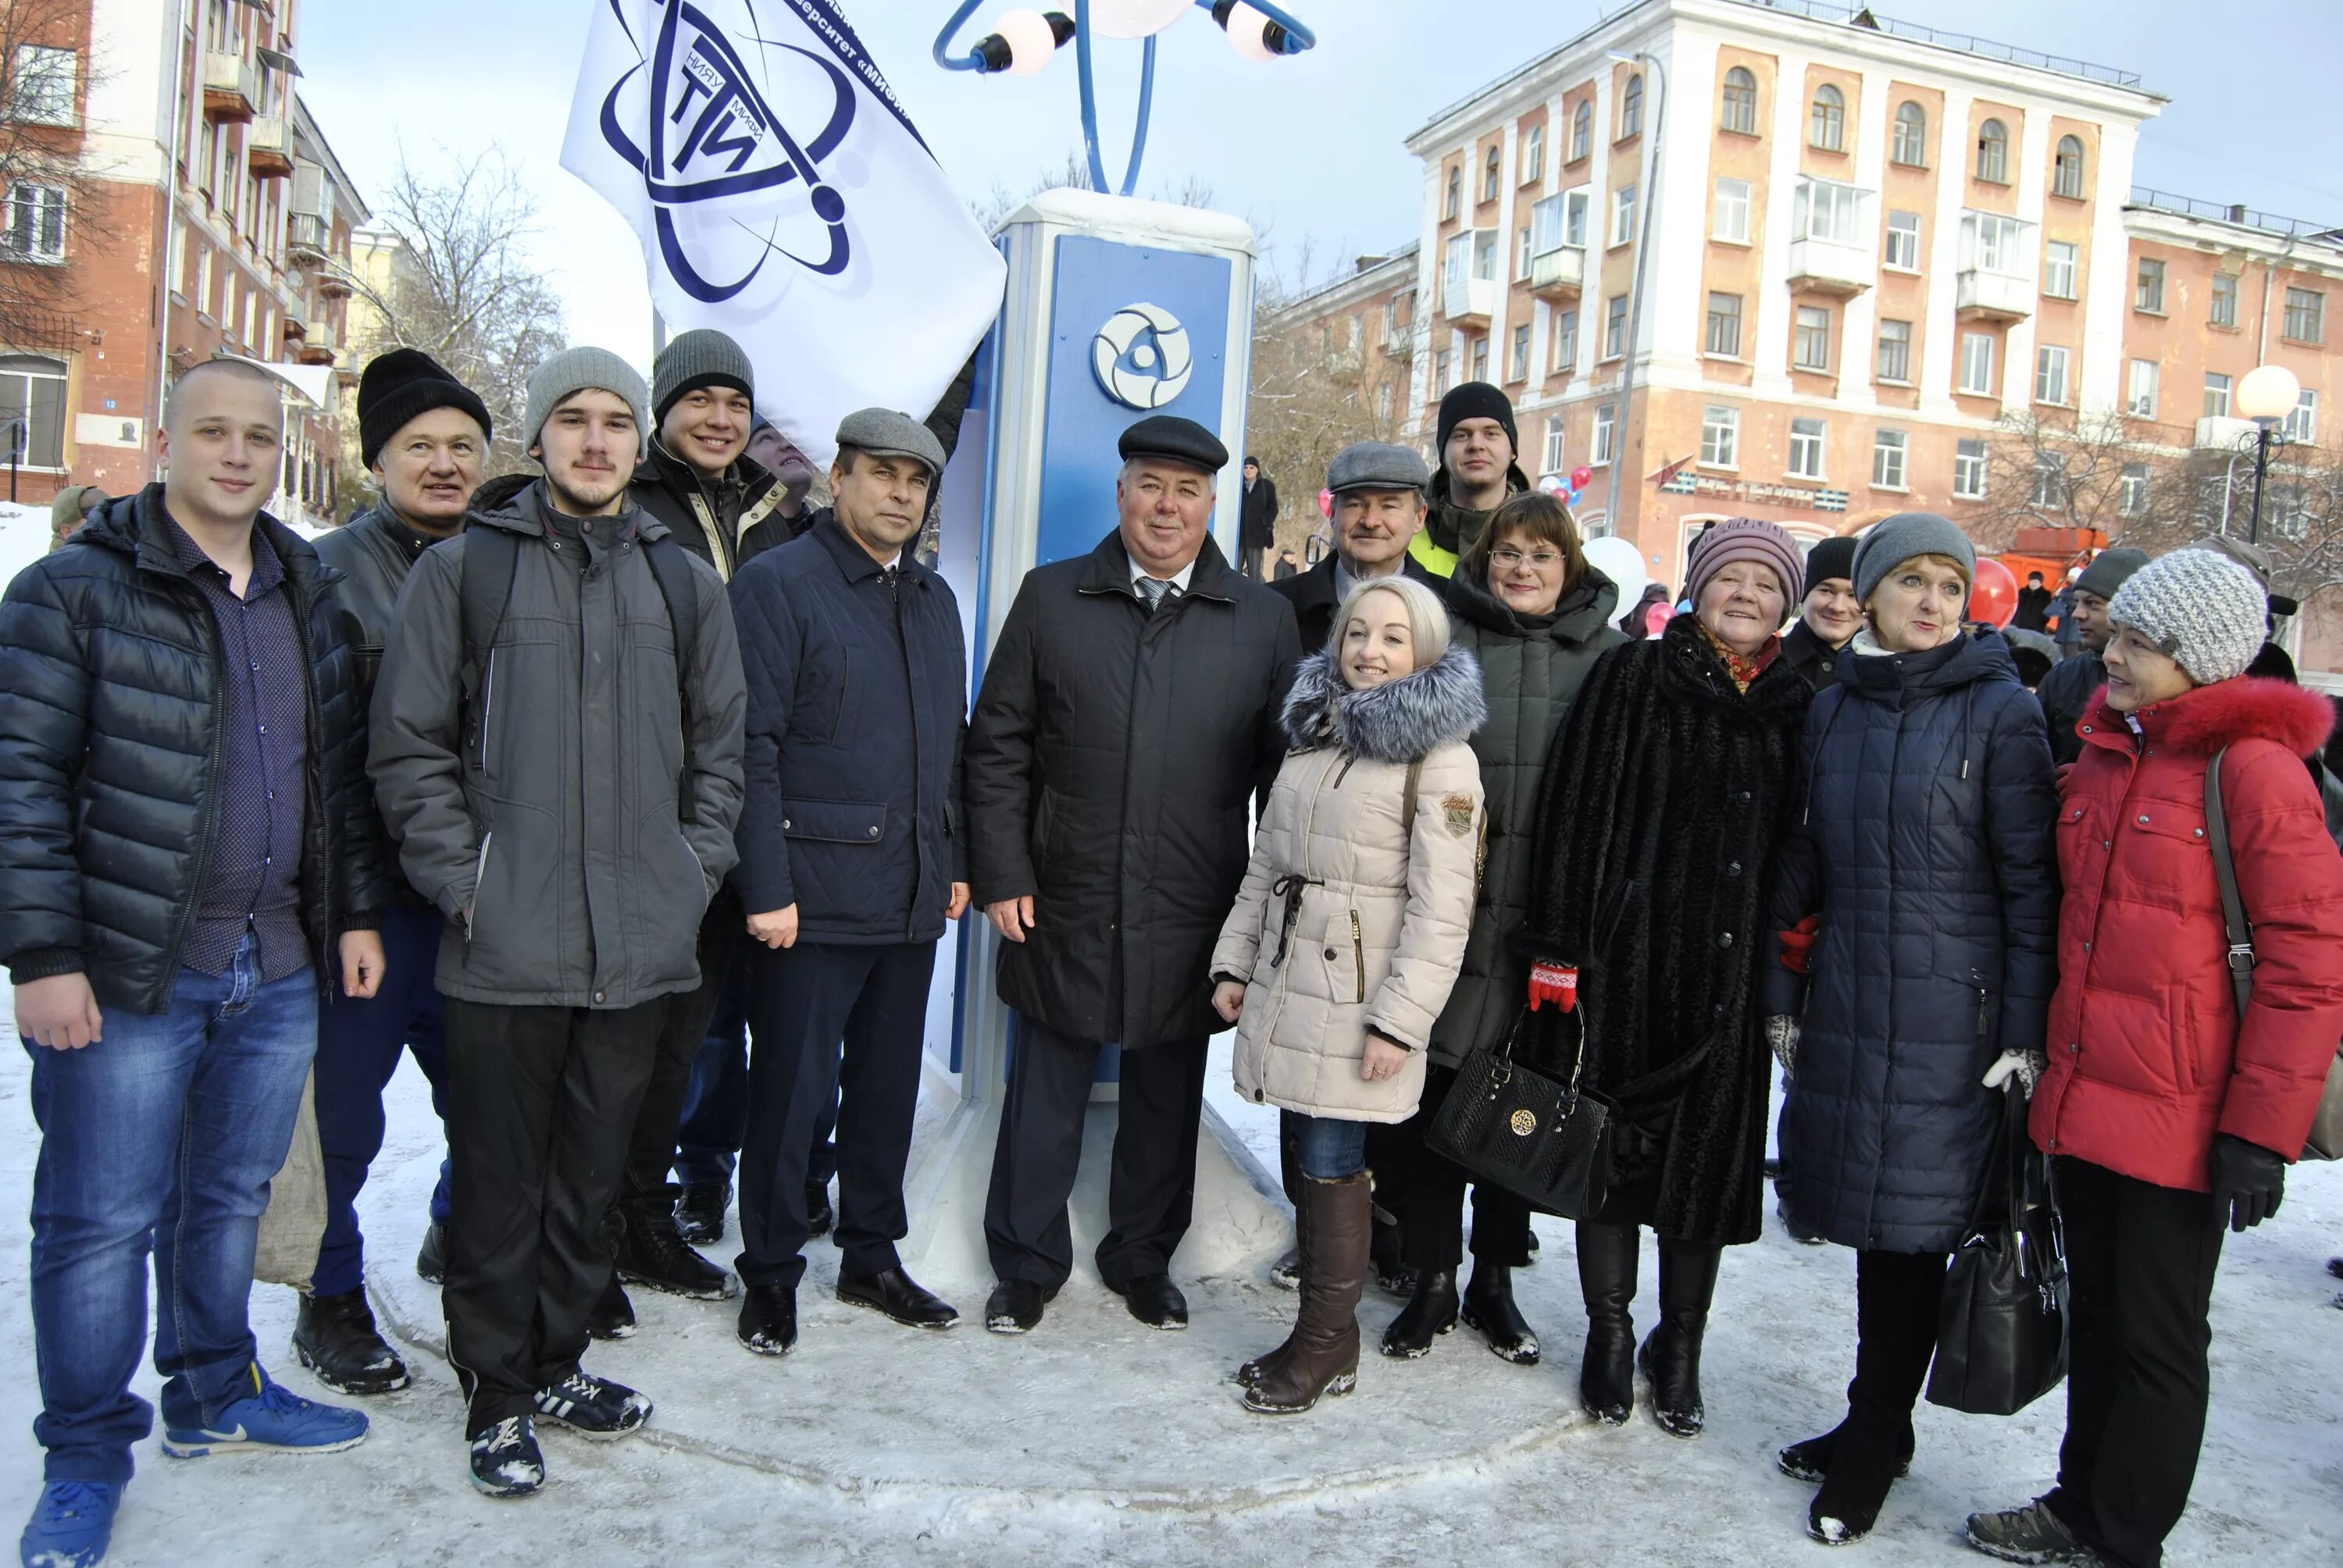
186, 854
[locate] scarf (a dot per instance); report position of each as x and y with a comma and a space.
1743, 670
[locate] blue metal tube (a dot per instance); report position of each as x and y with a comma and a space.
971, 61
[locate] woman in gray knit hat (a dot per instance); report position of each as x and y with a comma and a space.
1923, 851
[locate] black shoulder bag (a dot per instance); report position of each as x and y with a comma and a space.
1540, 1139
2001, 1335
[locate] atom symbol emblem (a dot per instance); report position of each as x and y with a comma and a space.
1142, 357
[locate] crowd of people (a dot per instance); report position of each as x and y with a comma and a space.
572, 785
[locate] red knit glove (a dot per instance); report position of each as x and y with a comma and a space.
1799, 944
1553, 982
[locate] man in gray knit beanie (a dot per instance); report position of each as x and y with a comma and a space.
2202, 609
576, 370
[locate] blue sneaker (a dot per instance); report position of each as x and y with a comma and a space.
273, 1419
72, 1525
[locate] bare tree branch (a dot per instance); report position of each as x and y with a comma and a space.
51, 199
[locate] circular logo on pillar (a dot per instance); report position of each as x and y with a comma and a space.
1142, 357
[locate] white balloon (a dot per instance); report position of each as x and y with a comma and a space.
1623, 564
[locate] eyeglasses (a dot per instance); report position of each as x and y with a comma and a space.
1544, 560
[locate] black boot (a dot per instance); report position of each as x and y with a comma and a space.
335, 1337
1429, 1313
1488, 1306
1810, 1460
820, 1215
431, 1258
1388, 1256
612, 1316
699, 1212
1670, 1355
1606, 1278
651, 1251
1896, 1296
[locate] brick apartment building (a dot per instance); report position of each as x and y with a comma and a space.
205, 214
1796, 261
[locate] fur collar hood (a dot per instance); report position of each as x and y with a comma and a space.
1402, 720
2202, 722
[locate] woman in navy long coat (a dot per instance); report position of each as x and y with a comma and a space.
1929, 798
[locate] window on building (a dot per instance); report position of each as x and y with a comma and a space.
2225, 299
36, 223
2131, 491
1992, 153
1969, 470
1491, 172
1812, 351
1825, 209
2061, 259
1896, 351
1725, 325
2050, 481
42, 91
1826, 120
2149, 295
1622, 215
1910, 147
2067, 168
1484, 254
1565, 340
1479, 359
1556, 450
1888, 450
1455, 205
1977, 364
203, 306
1383, 402
2140, 399
1522, 256
1993, 242
2305, 315
2050, 365
1582, 129
1520, 366
2302, 425
1740, 101
1615, 326
1534, 154
1631, 108
33, 388
1444, 378
1904, 241
2216, 395
1391, 319
1732, 216
1720, 438
1606, 416
1557, 221
1806, 442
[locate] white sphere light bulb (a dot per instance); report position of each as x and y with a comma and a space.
1135, 18
2268, 392
1032, 43
1247, 29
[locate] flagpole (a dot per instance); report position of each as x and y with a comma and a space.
659, 333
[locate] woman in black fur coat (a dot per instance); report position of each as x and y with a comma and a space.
1667, 790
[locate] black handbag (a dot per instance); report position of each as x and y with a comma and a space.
2001, 1336
1542, 1140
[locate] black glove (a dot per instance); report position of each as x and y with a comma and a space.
2249, 1182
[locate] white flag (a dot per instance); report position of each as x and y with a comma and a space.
784, 198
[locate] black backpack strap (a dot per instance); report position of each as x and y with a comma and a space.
671, 566
2225, 872
491, 557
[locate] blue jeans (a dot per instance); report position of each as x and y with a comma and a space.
359, 1043
1328, 1149
162, 1135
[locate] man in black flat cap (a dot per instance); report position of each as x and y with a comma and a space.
1128, 711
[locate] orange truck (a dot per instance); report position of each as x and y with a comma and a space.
2053, 552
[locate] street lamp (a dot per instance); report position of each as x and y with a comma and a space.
2267, 396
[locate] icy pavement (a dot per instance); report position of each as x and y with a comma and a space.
1095, 1441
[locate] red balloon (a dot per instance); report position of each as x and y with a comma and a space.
1580, 475
1656, 619
1325, 503
1993, 598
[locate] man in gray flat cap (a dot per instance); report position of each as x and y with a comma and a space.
1378, 509
852, 860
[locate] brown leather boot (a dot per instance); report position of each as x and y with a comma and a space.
1323, 1356
1260, 1366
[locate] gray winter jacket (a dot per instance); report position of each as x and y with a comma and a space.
551, 820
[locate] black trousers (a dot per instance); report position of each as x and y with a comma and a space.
2140, 1261
1152, 1191
650, 1152
540, 1102
803, 1001
1428, 1196
1898, 1303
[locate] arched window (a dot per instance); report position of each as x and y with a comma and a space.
32, 390
2066, 172
1826, 126
1582, 129
1491, 172
1992, 153
1911, 147
1455, 203
1740, 101
1631, 108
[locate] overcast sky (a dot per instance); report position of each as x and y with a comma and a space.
1306, 148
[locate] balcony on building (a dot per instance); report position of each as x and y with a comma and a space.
306, 240
1996, 281
1558, 245
1833, 233
2224, 433
317, 348
231, 87
1468, 281
268, 148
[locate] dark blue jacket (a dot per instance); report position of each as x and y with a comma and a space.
1926, 846
858, 705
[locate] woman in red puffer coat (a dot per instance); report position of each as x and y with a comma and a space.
2164, 1113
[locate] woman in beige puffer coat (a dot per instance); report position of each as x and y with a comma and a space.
1347, 935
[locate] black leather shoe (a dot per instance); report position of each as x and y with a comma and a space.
1810, 1460
431, 1258
612, 1316
699, 1212
336, 1338
1429, 1313
820, 1215
651, 1250
899, 1296
769, 1319
1154, 1301
1488, 1306
1015, 1306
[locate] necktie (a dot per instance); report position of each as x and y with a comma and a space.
1157, 591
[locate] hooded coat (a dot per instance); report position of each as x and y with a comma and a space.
1354, 909
1666, 792
2148, 1058
1530, 671
1450, 529
1924, 845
